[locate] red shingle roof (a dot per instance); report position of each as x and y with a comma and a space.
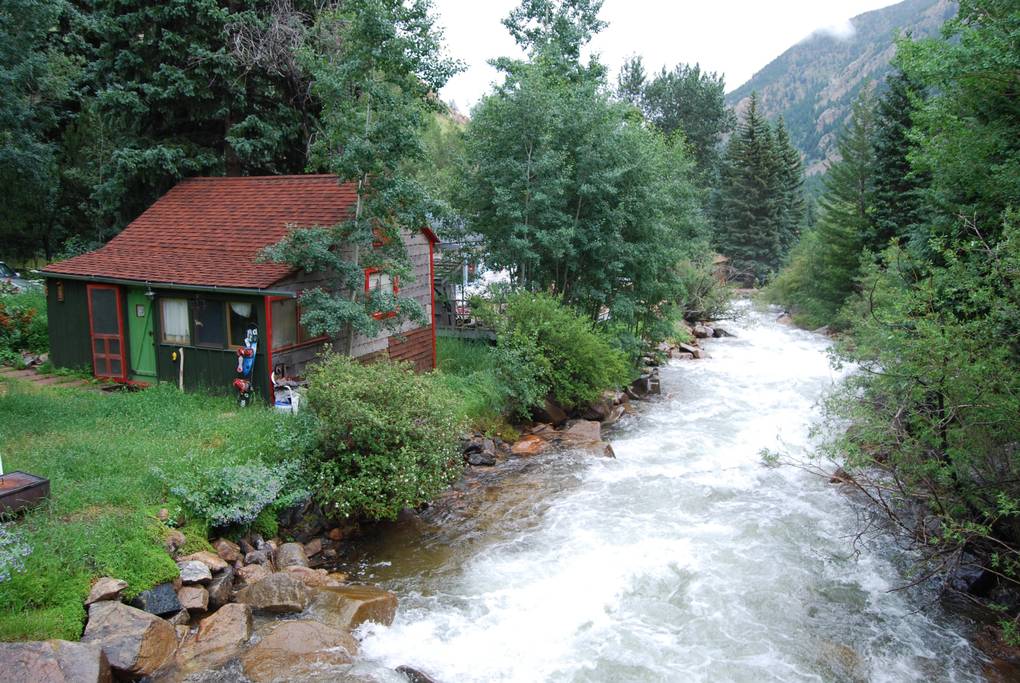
208, 231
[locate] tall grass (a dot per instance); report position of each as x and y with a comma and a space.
99, 451
468, 369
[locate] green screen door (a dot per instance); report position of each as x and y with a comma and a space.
142, 343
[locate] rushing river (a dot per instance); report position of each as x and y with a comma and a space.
684, 559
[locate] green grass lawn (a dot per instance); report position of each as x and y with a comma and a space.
99, 451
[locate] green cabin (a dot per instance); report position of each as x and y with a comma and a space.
171, 298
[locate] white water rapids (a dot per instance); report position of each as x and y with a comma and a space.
684, 559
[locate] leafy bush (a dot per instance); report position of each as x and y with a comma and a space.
23, 323
702, 296
547, 349
389, 437
235, 495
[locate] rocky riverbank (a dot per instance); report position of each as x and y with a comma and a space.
264, 610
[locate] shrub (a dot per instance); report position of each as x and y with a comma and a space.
702, 296
23, 324
548, 349
389, 437
235, 495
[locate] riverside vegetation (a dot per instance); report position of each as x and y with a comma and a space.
603, 202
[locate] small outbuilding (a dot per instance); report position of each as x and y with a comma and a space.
173, 296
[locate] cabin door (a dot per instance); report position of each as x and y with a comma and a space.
106, 327
140, 337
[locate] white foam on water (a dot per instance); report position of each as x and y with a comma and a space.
685, 559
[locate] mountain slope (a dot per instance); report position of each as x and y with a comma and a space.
814, 83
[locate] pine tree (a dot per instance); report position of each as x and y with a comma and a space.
791, 207
897, 189
846, 211
747, 231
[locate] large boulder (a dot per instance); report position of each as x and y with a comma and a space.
136, 643
193, 571
278, 593
291, 555
529, 445
160, 600
106, 588
348, 607
220, 637
54, 661
581, 432
296, 649
702, 331
214, 562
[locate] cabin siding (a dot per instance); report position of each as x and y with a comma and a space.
68, 324
212, 370
415, 347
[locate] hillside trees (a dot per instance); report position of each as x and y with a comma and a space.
572, 195
823, 272
36, 79
760, 204
376, 91
692, 101
933, 324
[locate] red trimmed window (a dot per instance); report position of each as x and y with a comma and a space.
288, 332
378, 281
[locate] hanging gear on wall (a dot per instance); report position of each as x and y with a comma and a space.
246, 366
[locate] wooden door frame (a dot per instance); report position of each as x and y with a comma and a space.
89, 288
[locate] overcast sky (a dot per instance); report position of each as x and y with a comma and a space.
733, 37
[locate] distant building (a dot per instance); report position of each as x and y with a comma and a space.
182, 285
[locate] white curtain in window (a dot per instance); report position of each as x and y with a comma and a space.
175, 321
243, 310
380, 282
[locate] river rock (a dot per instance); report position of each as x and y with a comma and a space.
348, 607
220, 589
220, 637
313, 547
581, 432
194, 598
296, 649
529, 445
251, 574
214, 562
193, 571
279, 593
136, 643
785, 319
550, 412
614, 415
702, 331
480, 452
160, 600
106, 588
414, 675
291, 555
258, 557
228, 551
54, 661
719, 332
314, 578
